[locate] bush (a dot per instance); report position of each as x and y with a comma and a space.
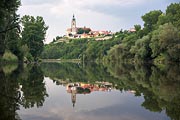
9, 57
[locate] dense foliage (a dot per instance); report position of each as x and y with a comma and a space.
33, 34
27, 43
158, 41
9, 27
64, 50
88, 49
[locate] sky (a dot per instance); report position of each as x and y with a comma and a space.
111, 15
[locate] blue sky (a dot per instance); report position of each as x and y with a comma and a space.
97, 14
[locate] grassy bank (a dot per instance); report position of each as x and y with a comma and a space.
8, 57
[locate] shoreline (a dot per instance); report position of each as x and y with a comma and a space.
62, 60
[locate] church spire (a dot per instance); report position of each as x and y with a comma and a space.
73, 26
73, 17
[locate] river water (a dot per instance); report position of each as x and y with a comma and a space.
72, 91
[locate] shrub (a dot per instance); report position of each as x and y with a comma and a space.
9, 57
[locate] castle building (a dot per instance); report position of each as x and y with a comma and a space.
83, 32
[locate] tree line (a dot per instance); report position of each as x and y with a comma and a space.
158, 40
88, 49
22, 37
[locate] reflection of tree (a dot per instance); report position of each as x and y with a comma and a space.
9, 94
72, 72
33, 88
67, 71
160, 87
167, 89
151, 103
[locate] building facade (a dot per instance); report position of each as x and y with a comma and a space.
84, 32
73, 30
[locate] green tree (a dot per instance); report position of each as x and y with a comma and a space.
8, 22
139, 31
13, 43
173, 14
56, 39
33, 34
150, 20
83, 30
137, 27
141, 48
162, 19
80, 31
166, 41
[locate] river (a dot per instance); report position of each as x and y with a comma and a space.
74, 91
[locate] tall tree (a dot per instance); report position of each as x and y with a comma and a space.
8, 21
150, 20
173, 14
33, 34
166, 41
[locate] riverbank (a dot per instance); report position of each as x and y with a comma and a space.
62, 60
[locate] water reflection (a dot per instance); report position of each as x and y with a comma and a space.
8, 94
33, 88
20, 86
93, 91
159, 85
85, 88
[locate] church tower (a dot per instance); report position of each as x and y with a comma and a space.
73, 95
73, 26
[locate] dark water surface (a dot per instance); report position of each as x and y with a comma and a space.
71, 91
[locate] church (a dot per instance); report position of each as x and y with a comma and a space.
83, 32
73, 29
76, 32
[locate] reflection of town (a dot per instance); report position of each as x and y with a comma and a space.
85, 88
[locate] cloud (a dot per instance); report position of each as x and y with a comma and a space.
39, 2
84, 17
96, 14
81, 3
95, 5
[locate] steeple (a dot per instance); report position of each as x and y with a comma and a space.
73, 25
73, 17
73, 21
73, 96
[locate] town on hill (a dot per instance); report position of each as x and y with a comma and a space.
84, 32
156, 42
75, 32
